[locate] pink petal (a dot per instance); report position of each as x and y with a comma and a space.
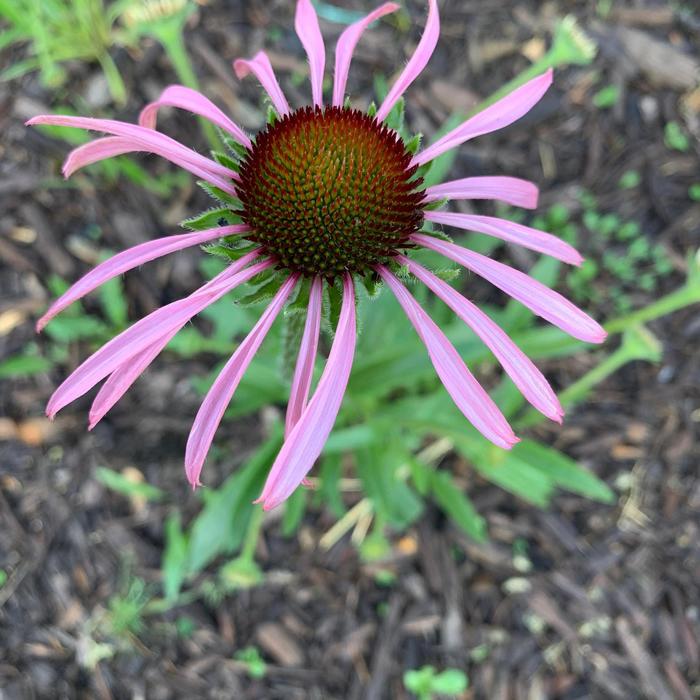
309, 33
111, 146
468, 395
418, 61
304, 444
541, 300
346, 46
131, 258
512, 190
97, 150
497, 116
515, 362
146, 140
219, 396
120, 381
511, 232
261, 68
192, 101
304, 370
149, 330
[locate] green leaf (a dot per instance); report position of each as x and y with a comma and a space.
564, 471
121, 484
392, 498
222, 524
219, 216
457, 506
174, 564
24, 366
65, 329
219, 195
294, 509
329, 493
349, 439
450, 682
114, 303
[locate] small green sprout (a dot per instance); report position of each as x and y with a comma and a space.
606, 97
674, 138
426, 683
255, 665
629, 180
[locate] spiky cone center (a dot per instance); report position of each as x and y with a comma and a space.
329, 191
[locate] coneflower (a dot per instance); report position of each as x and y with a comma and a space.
328, 196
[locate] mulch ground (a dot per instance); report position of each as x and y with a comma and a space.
606, 605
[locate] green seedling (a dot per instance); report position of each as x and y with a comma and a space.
426, 683
255, 665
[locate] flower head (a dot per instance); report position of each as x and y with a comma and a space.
329, 195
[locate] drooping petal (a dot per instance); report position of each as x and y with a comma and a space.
468, 395
97, 150
509, 231
131, 258
525, 375
120, 381
497, 116
309, 33
149, 330
541, 300
261, 68
512, 190
346, 46
192, 101
219, 396
304, 444
304, 370
147, 140
418, 61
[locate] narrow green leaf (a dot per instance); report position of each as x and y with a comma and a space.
563, 470
294, 510
174, 564
119, 483
457, 505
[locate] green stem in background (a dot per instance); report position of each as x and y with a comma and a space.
243, 572
169, 34
166, 24
685, 296
638, 343
114, 79
252, 534
570, 46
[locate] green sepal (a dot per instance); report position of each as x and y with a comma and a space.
272, 116
292, 332
238, 150
348, 103
263, 293
437, 204
332, 302
413, 143
371, 283
226, 160
219, 195
228, 252
395, 119
218, 216
372, 109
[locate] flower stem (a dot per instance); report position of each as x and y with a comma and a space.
252, 534
685, 296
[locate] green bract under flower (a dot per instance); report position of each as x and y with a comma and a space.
329, 191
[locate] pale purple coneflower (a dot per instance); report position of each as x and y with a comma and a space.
328, 193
